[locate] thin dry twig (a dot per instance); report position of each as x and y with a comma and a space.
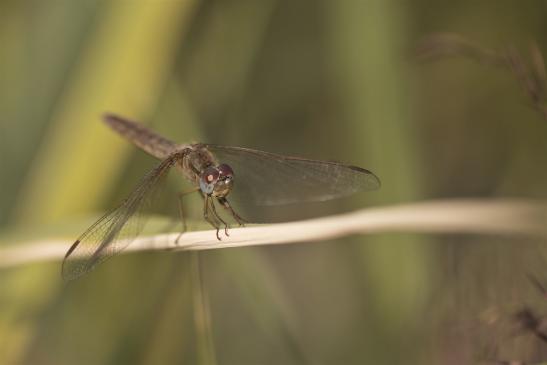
477, 216
530, 74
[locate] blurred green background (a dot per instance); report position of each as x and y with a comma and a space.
335, 80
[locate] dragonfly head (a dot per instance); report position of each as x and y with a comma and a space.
217, 181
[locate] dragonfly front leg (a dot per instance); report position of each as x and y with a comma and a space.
228, 207
217, 216
210, 220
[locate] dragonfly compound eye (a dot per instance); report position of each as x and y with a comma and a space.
225, 181
225, 171
208, 179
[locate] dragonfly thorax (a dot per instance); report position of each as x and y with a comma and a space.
196, 160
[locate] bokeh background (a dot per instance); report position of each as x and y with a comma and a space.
336, 80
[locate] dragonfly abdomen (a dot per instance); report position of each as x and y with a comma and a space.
147, 140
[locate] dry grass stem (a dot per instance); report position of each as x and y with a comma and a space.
476, 216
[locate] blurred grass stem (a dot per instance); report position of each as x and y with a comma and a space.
202, 314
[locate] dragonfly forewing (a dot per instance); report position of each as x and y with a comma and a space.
116, 229
270, 179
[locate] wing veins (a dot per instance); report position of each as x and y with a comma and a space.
109, 226
272, 179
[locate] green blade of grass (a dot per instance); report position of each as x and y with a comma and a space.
122, 68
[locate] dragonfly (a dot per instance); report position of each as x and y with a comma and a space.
217, 172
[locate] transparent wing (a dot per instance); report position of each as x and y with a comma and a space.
271, 179
116, 229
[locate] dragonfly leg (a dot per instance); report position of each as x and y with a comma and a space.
181, 211
217, 216
210, 220
228, 207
